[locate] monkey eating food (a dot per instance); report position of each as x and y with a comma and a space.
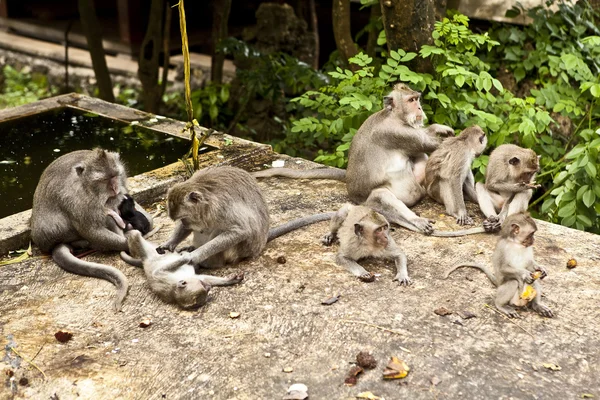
71, 208
514, 267
168, 278
448, 176
363, 232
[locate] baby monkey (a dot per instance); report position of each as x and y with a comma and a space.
168, 278
514, 266
363, 232
448, 176
132, 217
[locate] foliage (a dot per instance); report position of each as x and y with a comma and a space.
463, 91
22, 87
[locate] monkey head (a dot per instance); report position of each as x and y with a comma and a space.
186, 204
406, 104
127, 206
519, 228
103, 174
374, 229
523, 165
191, 293
476, 139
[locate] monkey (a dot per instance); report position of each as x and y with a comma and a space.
386, 162
509, 182
363, 232
448, 176
226, 211
168, 278
71, 207
514, 266
133, 218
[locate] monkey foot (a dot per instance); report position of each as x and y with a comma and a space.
492, 224
368, 277
464, 220
510, 312
236, 278
329, 239
403, 281
423, 224
543, 310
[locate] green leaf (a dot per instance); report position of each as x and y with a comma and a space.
589, 198
567, 210
459, 80
408, 57
590, 168
577, 150
595, 90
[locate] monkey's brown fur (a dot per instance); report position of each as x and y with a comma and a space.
514, 265
448, 176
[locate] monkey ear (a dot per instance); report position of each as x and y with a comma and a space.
358, 229
515, 229
388, 103
195, 197
514, 161
181, 284
79, 168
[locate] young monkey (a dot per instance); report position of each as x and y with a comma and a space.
168, 278
363, 232
514, 266
509, 182
448, 176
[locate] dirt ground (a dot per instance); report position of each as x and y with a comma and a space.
282, 325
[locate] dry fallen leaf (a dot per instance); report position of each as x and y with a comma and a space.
234, 314
572, 263
352, 376
331, 300
435, 381
366, 360
467, 314
442, 311
368, 395
63, 336
145, 322
395, 369
553, 367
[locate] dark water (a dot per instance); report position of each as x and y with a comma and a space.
28, 145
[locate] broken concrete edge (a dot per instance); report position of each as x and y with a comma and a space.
147, 187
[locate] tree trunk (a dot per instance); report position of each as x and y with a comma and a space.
221, 9
148, 64
373, 31
341, 30
314, 27
93, 34
440, 9
166, 49
408, 25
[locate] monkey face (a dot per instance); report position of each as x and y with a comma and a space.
380, 236
191, 293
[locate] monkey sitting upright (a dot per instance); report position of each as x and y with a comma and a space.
514, 266
72, 205
363, 232
448, 176
509, 182
226, 211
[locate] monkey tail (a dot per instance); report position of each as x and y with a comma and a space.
66, 260
464, 232
130, 260
297, 224
480, 267
319, 173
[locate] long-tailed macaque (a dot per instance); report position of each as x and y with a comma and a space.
514, 266
168, 278
509, 182
72, 204
363, 232
386, 161
228, 215
448, 176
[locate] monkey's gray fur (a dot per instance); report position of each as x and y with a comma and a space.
73, 198
514, 265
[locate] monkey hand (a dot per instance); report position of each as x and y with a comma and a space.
442, 129
402, 280
542, 270
528, 278
464, 220
423, 224
329, 239
492, 224
527, 185
368, 277
166, 247
236, 278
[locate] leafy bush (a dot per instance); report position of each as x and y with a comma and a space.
462, 92
22, 87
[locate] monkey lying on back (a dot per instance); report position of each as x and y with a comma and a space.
448, 176
228, 215
509, 182
514, 266
70, 206
363, 232
168, 278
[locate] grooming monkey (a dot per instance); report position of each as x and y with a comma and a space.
514, 266
509, 182
448, 176
71, 207
363, 232
228, 215
386, 161
171, 280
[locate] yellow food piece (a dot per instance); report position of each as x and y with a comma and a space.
536, 275
529, 293
572, 263
395, 369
